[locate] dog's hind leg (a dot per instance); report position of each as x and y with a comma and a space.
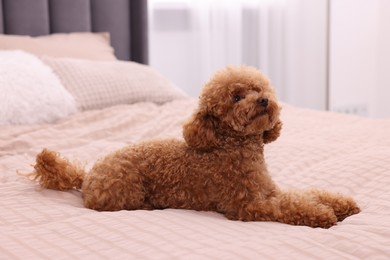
113, 185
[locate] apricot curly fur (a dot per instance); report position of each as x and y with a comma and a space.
53, 172
219, 166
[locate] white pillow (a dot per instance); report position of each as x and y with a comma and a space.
30, 92
100, 84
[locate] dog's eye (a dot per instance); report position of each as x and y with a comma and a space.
237, 98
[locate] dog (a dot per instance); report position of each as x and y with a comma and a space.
219, 166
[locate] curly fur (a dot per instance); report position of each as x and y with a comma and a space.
218, 167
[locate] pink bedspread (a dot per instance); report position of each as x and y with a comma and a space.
331, 151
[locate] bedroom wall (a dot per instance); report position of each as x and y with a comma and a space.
360, 57
381, 104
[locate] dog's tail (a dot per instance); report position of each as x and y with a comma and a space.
54, 172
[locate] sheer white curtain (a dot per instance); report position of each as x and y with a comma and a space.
242, 32
189, 40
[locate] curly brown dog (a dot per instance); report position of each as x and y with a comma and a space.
219, 167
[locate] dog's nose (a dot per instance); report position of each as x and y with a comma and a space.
263, 102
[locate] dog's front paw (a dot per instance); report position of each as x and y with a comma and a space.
319, 216
342, 206
345, 207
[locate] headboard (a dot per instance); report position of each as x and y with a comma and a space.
125, 20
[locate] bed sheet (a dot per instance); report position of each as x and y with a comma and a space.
332, 151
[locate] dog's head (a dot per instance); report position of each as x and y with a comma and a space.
236, 102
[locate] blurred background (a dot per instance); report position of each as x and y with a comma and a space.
323, 54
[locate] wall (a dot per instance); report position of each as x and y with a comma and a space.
381, 97
353, 55
360, 57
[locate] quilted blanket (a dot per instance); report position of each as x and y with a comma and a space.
331, 151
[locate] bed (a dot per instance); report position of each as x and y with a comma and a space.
68, 90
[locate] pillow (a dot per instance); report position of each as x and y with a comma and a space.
93, 46
99, 84
30, 92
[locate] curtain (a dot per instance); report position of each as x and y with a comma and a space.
286, 39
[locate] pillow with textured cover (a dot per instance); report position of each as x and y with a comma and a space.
83, 45
30, 92
100, 84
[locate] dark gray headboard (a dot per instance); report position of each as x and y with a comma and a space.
125, 20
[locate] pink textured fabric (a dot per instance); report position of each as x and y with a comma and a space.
336, 152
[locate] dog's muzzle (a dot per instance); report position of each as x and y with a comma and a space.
262, 102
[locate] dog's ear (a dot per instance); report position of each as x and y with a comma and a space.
272, 134
199, 131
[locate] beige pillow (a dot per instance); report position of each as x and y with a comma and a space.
99, 84
83, 45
